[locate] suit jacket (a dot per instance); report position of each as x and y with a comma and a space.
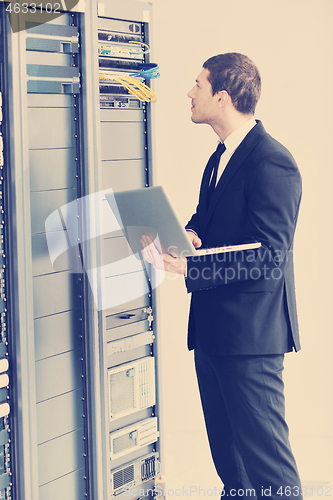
244, 302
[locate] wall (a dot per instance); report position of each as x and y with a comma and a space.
291, 43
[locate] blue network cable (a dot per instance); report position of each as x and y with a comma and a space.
147, 71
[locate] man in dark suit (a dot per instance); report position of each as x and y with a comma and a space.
243, 307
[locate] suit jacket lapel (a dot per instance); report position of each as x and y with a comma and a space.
240, 155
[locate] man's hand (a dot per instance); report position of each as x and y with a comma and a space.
162, 261
196, 241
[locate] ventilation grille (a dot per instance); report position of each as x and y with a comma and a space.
131, 387
123, 443
121, 392
133, 437
134, 473
123, 476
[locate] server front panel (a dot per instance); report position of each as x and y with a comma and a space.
128, 327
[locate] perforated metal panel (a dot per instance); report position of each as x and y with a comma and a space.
123, 476
121, 392
133, 437
123, 443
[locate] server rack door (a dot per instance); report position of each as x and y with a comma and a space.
45, 174
53, 86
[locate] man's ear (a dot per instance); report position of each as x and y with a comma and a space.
223, 98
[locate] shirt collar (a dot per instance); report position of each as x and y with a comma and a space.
235, 138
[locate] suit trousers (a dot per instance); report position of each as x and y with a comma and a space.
244, 408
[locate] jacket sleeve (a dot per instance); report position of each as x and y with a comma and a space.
193, 223
273, 195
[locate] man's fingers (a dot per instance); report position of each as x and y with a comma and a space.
197, 242
151, 253
146, 255
146, 240
162, 261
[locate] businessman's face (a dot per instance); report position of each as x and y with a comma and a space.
204, 104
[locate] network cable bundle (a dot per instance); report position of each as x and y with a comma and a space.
124, 68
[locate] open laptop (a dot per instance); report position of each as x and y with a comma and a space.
149, 211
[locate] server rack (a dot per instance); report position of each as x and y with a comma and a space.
127, 327
84, 417
5, 381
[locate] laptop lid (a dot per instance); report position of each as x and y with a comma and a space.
149, 211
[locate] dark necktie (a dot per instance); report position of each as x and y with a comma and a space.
217, 155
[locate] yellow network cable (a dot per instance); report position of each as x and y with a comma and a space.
140, 43
134, 86
137, 88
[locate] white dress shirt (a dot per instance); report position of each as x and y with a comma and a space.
232, 142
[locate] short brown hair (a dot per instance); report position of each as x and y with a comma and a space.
237, 75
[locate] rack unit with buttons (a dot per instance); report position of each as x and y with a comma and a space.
134, 473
